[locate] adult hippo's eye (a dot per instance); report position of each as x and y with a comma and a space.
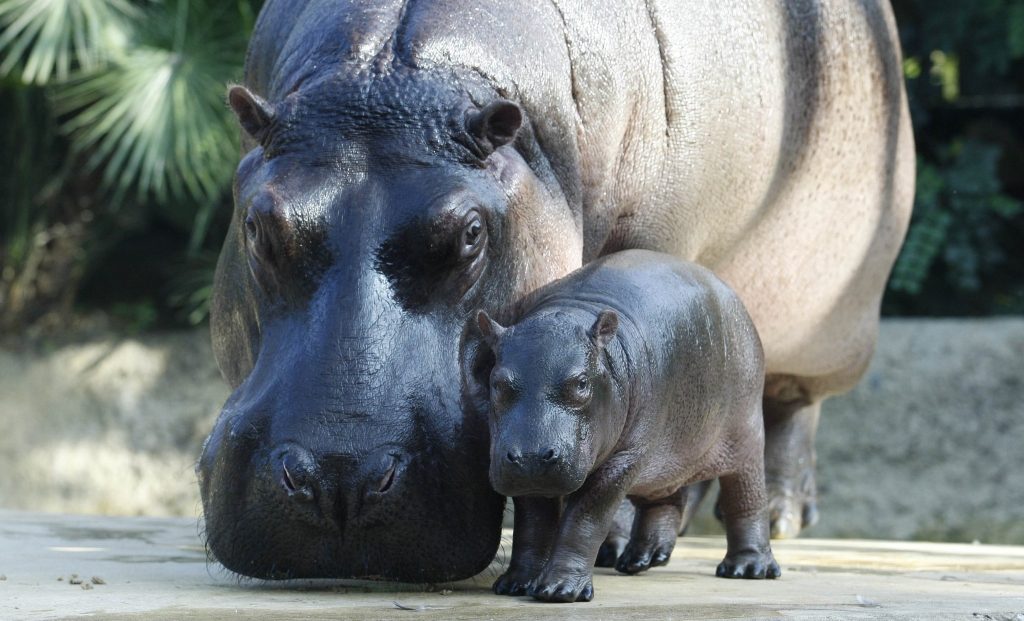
251, 229
473, 236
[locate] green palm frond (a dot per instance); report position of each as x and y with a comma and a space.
154, 120
52, 38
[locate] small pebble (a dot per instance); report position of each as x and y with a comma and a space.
3, 577
75, 580
60, 579
98, 580
86, 586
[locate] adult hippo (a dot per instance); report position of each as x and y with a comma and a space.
406, 163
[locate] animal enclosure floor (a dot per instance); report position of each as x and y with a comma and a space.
66, 566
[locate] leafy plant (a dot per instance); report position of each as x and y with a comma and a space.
965, 78
128, 98
50, 38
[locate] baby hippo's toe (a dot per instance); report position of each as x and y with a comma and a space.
749, 564
574, 588
610, 551
641, 556
512, 582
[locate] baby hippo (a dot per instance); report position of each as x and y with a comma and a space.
632, 377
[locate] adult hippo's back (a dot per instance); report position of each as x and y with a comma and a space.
409, 162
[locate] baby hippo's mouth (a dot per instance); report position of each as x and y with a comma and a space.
518, 477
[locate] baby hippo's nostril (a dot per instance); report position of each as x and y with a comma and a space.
296, 478
551, 456
514, 457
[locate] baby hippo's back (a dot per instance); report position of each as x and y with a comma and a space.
678, 306
698, 364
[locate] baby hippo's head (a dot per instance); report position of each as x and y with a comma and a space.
551, 399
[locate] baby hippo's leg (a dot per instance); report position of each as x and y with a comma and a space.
654, 533
536, 523
618, 536
744, 505
588, 515
620, 533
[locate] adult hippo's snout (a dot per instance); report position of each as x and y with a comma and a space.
342, 504
337, 452
359, 247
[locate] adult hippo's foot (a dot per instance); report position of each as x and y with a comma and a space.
790, 427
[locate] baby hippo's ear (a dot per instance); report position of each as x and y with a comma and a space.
476, 359
603, 330
490, 329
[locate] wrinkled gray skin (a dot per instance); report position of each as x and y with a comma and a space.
635, 376
407, 162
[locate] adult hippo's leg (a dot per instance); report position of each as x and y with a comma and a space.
791, 422
792, 406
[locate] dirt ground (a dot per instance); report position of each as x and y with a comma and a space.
928, 446
150, 569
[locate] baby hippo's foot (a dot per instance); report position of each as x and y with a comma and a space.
564, 586
654, 534
752, 564
515, 581
642, 555
610, 551
615, 543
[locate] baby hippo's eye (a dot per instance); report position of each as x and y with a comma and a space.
501, 388
577, 390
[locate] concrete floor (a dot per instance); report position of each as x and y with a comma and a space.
148, 568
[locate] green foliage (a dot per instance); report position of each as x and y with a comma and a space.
956, 217
154, 119
964, 64
119, 108
48, 38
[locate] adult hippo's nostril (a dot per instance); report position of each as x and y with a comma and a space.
514, 457
382, 477
297, 475
389, 478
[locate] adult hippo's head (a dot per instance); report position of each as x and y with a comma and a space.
374, 213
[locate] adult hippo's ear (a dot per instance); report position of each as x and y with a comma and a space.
604, 328
254, 114
495, 125
476, 358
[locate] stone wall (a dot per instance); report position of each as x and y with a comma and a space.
928, 446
